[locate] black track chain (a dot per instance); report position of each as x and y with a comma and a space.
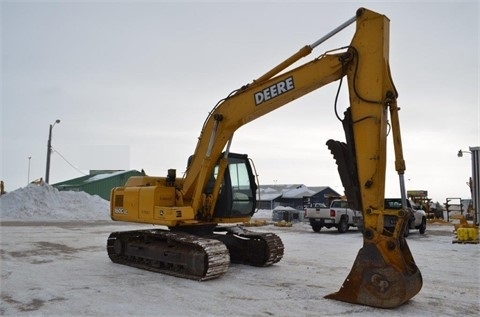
215, 251
275, 247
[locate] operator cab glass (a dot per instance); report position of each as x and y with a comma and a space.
237, 196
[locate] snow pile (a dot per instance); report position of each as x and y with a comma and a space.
264, 214
44, 202
267, 213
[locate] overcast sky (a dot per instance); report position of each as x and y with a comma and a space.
132, 83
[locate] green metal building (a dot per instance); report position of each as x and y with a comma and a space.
98, 182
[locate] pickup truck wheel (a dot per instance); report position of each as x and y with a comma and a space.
423, 226
343, 225
316, 227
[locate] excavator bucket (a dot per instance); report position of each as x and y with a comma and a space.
383, 275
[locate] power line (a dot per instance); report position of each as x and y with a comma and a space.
75, 168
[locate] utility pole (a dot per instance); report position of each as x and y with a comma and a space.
49, 151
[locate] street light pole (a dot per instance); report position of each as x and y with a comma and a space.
475, 180
49, 151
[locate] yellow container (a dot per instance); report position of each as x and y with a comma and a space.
467, 234
462, 234
473, 233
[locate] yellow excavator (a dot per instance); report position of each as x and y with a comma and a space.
219, 187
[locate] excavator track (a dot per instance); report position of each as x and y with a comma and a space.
194, 256
249, 247
173, 253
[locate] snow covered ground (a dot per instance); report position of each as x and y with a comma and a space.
58, 266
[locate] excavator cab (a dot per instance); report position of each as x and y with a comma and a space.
237, 197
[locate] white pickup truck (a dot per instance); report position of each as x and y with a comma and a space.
417, 219
338, 215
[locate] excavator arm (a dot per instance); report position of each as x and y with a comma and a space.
273, 90
384, 273
249, 103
